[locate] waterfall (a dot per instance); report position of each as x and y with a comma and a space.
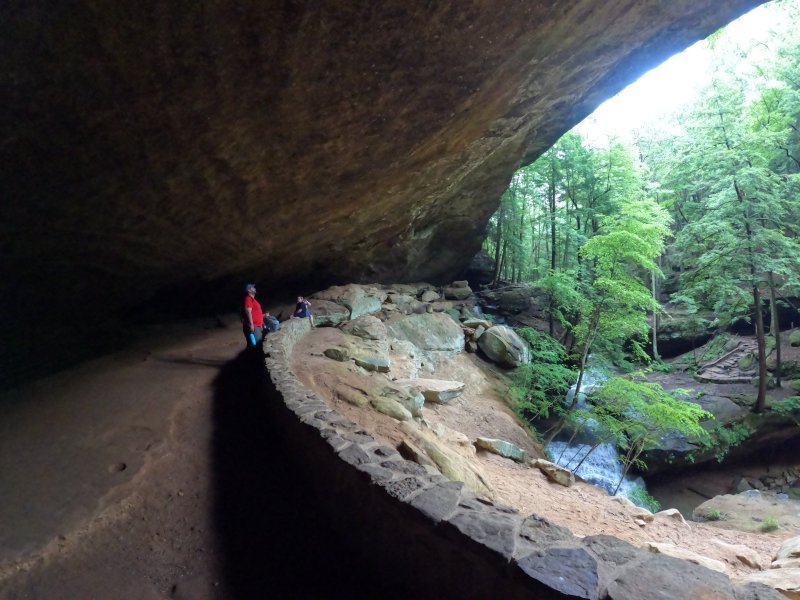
603, 467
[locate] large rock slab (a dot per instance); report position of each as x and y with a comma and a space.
502, 448
439, 391
503, 346
366, 327
785, 581
685, 554
361, 300
435, 331
451, 464
748, 510
555, 473
329, 314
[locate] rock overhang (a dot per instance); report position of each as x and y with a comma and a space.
163, 149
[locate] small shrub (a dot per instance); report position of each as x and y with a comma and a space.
661, 367
713, 515
727, 436
769, 524
639, 496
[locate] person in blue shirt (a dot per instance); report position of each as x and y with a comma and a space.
303, 310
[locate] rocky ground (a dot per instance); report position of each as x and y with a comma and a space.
151, 472
352, 386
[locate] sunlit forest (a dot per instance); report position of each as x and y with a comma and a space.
695, 212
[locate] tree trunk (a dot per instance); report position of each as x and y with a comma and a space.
775, 329
761, 400
551, 198
655, 316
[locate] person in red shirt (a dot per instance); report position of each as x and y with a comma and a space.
252, 316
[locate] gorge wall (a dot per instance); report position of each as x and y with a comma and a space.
165, 152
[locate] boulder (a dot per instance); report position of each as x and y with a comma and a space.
746, 511
785, 581
429, 331
671, 513
457, 293
555, 473
439, 391
503, 448
451, 464
739, 553
352, 396
684, 554
510, 300
411, 451
361, 300
429, 296
503, 346
372, 362
794, 337
329, 314
475, 323
339, 354
409, 398
789, 549
390, 407
366, 327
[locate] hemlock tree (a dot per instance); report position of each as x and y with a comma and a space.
616, 298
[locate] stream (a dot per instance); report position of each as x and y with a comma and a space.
602, 467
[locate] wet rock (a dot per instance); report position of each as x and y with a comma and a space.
503, 346
794, 338
503, 448
475, 323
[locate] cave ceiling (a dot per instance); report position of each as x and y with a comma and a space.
150, 148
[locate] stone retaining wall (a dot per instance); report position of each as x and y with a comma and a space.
432, 538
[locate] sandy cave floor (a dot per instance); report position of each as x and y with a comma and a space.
482, 410
151, 474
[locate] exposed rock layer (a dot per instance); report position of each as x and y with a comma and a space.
183, 146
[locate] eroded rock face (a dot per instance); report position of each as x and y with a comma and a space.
155, 150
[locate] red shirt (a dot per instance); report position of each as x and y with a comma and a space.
258, 316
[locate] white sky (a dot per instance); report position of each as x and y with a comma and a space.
668, 87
